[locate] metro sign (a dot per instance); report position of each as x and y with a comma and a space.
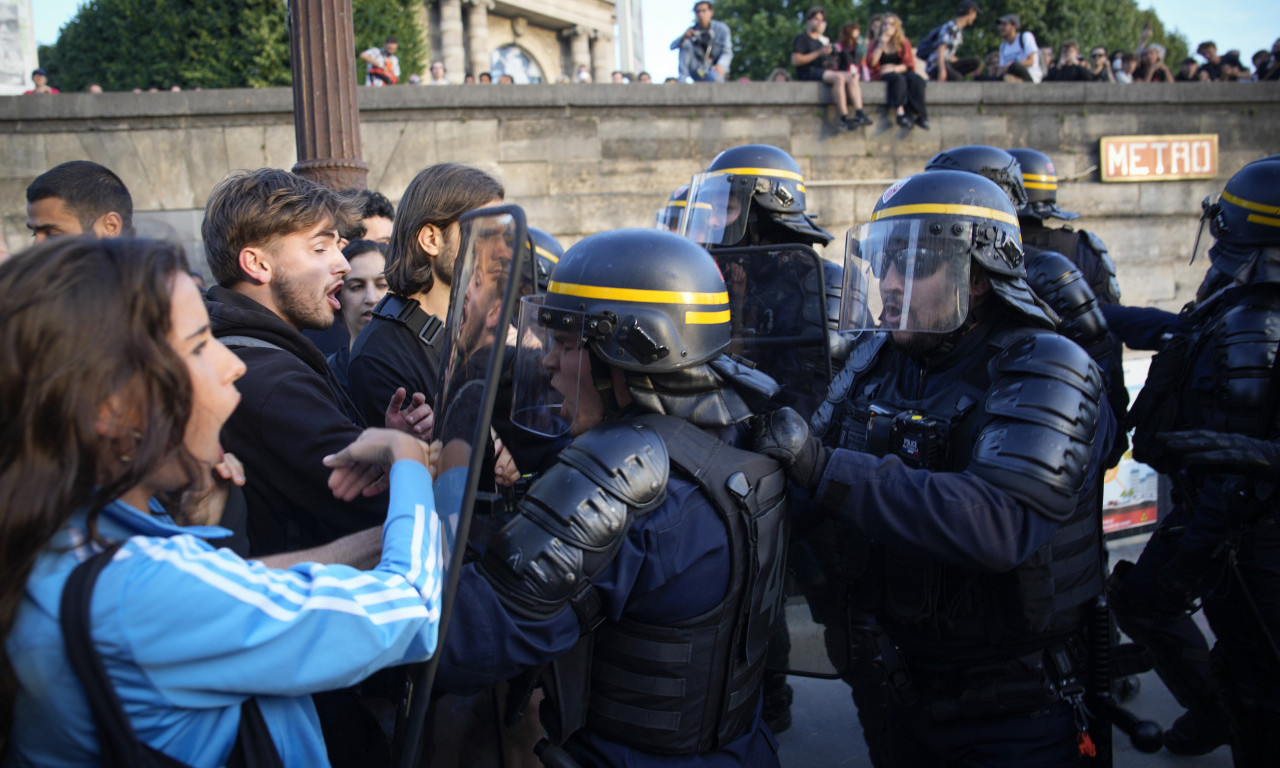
1159, 158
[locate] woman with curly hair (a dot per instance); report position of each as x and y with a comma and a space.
892, 60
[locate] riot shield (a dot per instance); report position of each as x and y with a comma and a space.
778, 301
493, 269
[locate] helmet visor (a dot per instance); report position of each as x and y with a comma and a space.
899, 276
668, 216
716, 212
551, 361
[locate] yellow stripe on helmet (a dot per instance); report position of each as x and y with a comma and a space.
677, 203
1039, 177
1266, 221
1039, 185
706, 318
772, 173
544, 253
946, 209
1270, 210
637, 295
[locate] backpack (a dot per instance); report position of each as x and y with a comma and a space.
930, 43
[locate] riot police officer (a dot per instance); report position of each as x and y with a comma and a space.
641, 574
1085, 249
962, 443
1052, 275
1209, 418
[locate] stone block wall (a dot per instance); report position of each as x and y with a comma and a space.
585, 158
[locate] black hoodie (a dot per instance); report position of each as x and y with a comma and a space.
291, 415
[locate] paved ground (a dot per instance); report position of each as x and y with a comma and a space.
825, 731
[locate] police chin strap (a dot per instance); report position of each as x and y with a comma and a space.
602, 378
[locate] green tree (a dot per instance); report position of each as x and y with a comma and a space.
125, 44
763, 29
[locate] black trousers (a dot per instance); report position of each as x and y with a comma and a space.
956, 70
905, 89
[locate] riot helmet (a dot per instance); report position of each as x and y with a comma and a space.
1245, 223
1040, 179
668, 216
991, 162
750, 195
649, 303
546, 252
908, 269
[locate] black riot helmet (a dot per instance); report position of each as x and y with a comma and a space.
547, 252
932, 227
649, 303
750, 195
991, 162
668, 216
1245, 223
1040, 179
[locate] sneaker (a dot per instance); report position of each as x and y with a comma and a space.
860, 119
923, 122
904, 121
1196, 733
776, 711
845, 124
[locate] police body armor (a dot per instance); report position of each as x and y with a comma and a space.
1086, 251
682, 688
1012, 410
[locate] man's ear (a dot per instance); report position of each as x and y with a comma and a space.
109, 224
256, 264
431, 238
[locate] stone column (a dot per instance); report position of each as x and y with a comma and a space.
451, 50
579, 51
602, 59
478, 34
326, 119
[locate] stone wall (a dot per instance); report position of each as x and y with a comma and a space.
585, 158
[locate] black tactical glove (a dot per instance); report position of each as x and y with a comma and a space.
1223, 450
784, 435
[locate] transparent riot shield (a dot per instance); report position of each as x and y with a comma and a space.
779, 316
493, 269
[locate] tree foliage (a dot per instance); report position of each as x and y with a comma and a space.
763, 29
126, 44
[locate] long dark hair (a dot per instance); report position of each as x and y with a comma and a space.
438, 195
82, 322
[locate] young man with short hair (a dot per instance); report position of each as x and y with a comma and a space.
939, 47
1019, 54
78, 197
706, 47
271, 239
384, 65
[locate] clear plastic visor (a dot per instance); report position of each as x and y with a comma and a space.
551, 364
900, 277
716, 211
668, 216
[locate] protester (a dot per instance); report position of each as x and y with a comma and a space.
812, 54
705, 47
1212, 66
376, 214
437, 74
938, 48
78, 197
851, 51
191, 640
891, 59
362, 288
1100, 66
1189, 72
384, 65
1125, 64
1019, 55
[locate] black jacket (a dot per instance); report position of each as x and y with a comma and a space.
291, 415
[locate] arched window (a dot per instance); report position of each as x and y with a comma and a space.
515, 61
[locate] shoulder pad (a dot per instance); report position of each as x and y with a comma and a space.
1096, 244
572, 521
865, 346
1055, 279
1043, 413
1244, 362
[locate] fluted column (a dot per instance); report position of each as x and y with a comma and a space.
579, 50
478, 34
602, 59
326, 119
452, 53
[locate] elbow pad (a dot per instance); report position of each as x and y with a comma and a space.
573, 520
1043, 413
